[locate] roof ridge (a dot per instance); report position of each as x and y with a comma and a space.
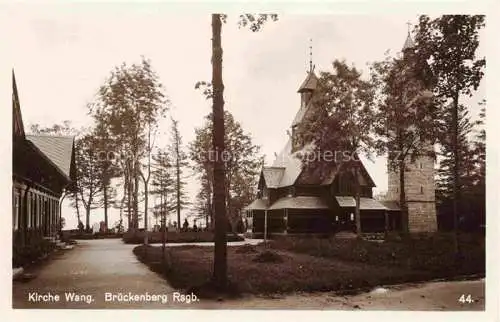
53, 136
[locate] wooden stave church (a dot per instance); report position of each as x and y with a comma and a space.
288, 202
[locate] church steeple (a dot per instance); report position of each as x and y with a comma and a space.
409, 44
309, 85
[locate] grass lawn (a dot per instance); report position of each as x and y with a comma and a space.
257, 270
432, 253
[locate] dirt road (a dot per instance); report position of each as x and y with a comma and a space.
106, 274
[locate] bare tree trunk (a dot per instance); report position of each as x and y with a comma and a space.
129, 202
456, 167
178, 182
402, 197
220, 252
87, 217
105, 196
77, 206
136, 195
146, 212
357, 197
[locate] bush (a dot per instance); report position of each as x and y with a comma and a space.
246, 249
175, 237
27, 254
433, 253
268, 257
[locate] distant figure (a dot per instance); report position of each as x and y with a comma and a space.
185, 225
195, 228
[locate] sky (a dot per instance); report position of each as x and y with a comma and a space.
62, 54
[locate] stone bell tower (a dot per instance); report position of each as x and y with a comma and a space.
419, 184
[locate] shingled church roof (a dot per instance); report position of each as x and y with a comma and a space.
408, 42
310, 83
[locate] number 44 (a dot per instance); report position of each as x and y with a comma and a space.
465, 299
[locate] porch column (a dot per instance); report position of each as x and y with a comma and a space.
49, 212
53, 216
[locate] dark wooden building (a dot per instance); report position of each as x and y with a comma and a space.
296, 201
43, 168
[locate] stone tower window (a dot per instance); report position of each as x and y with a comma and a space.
422, 189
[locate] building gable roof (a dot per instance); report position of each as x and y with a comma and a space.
272, 176
17, 119
58, 149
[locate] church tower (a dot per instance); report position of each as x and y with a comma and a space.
419, 183
306, 91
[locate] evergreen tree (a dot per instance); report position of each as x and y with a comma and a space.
179, 160
242, 163
449, 44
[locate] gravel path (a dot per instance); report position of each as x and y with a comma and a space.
96, 267
93, 268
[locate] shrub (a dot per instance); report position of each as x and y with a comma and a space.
433, 253
246, 249
175, 237
268, 257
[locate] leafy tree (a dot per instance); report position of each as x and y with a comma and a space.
179, 163
89, 177
472, 174
131, 103
163, 183
241, 161
108, 168
449, 43
64, 129
203, 205
405, 115
340, 121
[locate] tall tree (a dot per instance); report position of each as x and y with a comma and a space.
241, 161
180, 162
89, 177
344, 103
108, 168
405, 115
220, 250
131, 102
449, 43
163, 183
146, 176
